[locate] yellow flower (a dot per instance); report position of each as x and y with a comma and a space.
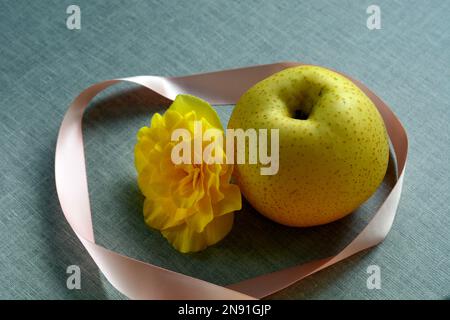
191, 204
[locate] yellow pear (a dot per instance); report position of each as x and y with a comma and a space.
333, 146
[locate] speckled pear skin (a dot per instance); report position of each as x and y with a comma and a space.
330, 163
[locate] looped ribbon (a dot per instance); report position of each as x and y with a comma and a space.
141, 280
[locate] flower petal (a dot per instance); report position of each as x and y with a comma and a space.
185, 103
232, 201
185, 239
204, 216
172, 118
162, 215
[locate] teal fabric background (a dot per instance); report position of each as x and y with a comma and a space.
43, 66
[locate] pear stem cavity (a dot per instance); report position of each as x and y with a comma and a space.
300, 115
303, 111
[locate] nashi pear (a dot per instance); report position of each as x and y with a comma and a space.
334, 148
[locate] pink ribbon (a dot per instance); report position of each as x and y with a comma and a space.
141, 280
